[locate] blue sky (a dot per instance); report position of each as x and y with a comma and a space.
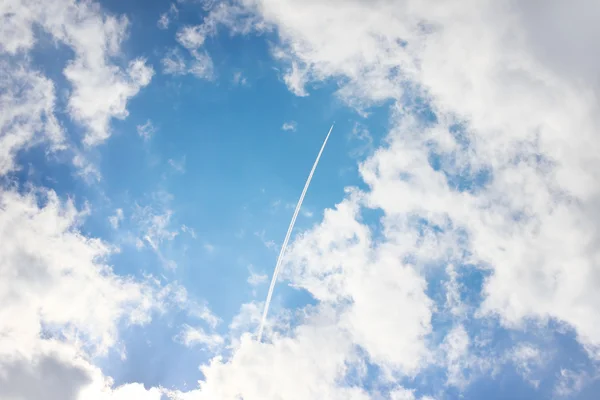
445, 249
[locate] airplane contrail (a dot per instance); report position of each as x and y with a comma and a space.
287, 238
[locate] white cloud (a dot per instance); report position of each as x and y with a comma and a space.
456, 348
204, 313
27, 101
192, 37
453, 288
361, 135
570, 383
146, 130
54, 275
100, 95
255, 278
99, 91
318, 354
295, 79
239, 79
268, 243
51, 277
506, 103
166, 17
527, 359
525, 118
115, 220
178, 166
173, 63
200, 65
154, 227
59, 372
86, 169
194, 336
163, 22
338, 263
402, 394
189, 230
15, 31
289, 126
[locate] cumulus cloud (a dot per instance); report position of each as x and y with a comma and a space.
491, 161
317, 354
61, 302
60, 373
27, 101
100, 89
516, 109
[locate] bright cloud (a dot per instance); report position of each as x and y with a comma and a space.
465, 247
61, 302
27, 102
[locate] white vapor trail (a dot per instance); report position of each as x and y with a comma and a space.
287, 238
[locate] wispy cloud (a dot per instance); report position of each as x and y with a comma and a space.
239, 79
154, 227
115, 220
268, 243
570, 383
201, 65
205, 314
362, 139
179, 165
166, 17
188, 230
527, 359
196, 336
173, 63
255, 279
146, 130
289, 126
